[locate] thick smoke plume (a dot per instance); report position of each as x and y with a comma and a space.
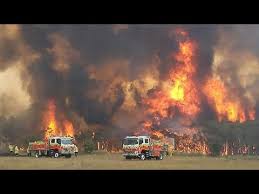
98, 75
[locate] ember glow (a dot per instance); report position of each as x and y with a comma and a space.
52, 126
188, 144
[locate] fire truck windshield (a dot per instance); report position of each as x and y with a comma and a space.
66, 141
130, 141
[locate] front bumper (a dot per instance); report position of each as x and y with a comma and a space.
131, 154
65, 152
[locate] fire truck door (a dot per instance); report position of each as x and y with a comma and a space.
150, 145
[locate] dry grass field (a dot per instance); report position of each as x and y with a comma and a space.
109, 161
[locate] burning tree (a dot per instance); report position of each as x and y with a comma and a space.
225, 105
178, 96
52, 125
167, 96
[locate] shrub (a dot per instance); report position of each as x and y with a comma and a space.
215, 149
89, 145
30, 139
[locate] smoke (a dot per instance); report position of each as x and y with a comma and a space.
15, 57
91, 71
100, 74
63, 53
236, 61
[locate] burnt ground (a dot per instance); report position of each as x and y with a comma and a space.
116, 161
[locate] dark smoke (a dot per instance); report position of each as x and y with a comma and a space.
206, 37
98, 44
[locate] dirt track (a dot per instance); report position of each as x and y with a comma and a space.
117, 162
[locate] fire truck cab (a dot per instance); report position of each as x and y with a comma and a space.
142, 147
61, 146
54, 147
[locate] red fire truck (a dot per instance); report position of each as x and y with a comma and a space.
142, 147
53, 146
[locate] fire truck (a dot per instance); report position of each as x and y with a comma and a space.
142, 147
53, 147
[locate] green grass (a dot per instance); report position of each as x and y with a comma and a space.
108, 161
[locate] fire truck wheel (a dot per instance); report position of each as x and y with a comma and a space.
142, 156
56, 155
161, 157
51, 153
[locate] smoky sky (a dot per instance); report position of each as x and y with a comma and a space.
206, 37
99, 43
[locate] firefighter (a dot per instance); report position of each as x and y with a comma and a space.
253, 150
16, 150
76, 150
11, 148
28, 151
246, 149
170, 150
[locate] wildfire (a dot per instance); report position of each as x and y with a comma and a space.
183, 91
251, 115
147, 124
187, 144
158, 134
52, 126
225, 106
146, 130
49, 120
69, 129
189, 140
179, 92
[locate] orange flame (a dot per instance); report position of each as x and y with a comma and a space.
183, 91
251, 115
192, 142
49, 119
147, 131
69, 129
52, 126
147, 124
187, 143
158, 134
225, 106
180, 92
